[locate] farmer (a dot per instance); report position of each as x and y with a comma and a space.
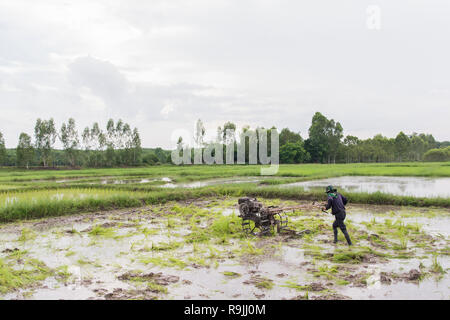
337, 202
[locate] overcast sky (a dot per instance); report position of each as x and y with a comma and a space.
161, 65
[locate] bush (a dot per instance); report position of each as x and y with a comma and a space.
437, 155
151, 159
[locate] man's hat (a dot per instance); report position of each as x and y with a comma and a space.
330, 189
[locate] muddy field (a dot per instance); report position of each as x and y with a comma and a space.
196, 250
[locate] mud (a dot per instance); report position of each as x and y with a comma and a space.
148, 253
157, 278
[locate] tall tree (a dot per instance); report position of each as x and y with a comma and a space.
110, 140
334, 133
24, 150
119, 136
126, 144
110, 134
45, 136
70, 141
98, 141
136, 147
402, 145
94, 142
287, 135
351, 144
317, 143
418, 146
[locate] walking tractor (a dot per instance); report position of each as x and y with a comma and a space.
260, 220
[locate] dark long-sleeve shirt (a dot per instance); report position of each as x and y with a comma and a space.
337, 204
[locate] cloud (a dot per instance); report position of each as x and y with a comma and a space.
102, 78
161, 65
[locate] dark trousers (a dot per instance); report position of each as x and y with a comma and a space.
339, 223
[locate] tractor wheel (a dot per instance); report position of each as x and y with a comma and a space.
250, 227
244, 209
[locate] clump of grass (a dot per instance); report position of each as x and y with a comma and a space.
355, 255
26, 234
171, 223
342, 282
198, 235
294, 285
264, 283
83, 262
213, 252
313, 250
436, 267
101, 231
12, 278
403, 245
154, 287
226, 226
231, 274
247, 248
326, 271
17, 254
69, 253
147, 232
199, 261
170, 262
163, 246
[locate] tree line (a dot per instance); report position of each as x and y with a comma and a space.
326, 143
117, 145
120, 145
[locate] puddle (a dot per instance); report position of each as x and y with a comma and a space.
432, 225
132, 181
199, 184
403, 186
427, 289
111, 180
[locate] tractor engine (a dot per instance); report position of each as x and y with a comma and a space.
249, 206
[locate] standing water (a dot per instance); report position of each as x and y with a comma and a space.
402, 186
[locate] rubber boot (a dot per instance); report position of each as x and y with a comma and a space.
335, 235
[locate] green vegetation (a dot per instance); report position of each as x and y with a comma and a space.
13, 278
436, 266
262, 282
169, 262
231, 274
101, 231
437, 154
120, 145
37, 194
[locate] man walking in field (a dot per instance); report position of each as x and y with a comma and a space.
337, 202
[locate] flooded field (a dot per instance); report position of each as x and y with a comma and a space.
164, 182
205, 183
196, 250
402, 186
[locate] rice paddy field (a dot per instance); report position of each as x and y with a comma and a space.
174, 232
